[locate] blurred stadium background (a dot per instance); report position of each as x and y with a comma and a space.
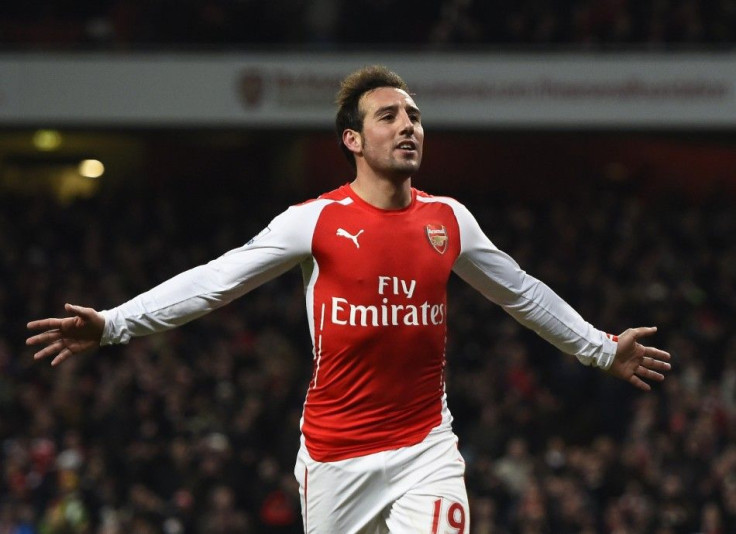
594, 139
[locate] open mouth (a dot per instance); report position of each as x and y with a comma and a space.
407, 146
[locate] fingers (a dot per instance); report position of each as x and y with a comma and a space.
653, 352
639, 383
77, 310
67, 336
643, 331
63, 355
649, 374
54, 348
648, 369
89, 317
658, 365
46, 337
44, 324
53, 322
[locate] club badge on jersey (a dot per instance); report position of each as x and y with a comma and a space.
437, 236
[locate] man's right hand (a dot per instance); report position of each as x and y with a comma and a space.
70, 335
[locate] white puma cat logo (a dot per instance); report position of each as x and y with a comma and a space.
353, 238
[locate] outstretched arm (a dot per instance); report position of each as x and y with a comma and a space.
634, 362
71, 335
500, 279
186, 296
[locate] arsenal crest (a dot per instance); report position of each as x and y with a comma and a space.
437, 236
251, 87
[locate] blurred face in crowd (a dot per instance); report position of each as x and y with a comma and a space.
390, 142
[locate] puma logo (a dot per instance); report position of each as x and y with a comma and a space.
353, 238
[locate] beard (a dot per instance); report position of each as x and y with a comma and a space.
395, 164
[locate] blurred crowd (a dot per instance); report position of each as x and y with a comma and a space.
196, 430
125, 24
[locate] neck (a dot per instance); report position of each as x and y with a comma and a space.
385, 194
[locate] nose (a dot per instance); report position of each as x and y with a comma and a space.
407, 125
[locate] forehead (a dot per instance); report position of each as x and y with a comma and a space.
385, 96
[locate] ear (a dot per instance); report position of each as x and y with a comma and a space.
353, 140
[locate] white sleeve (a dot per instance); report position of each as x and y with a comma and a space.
284, 243
531, 302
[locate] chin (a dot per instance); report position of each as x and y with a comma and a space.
404, 172
409, 167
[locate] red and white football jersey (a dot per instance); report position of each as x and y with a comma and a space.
375, 285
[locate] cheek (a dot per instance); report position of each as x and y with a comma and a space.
420, 138
376, 143
419, 134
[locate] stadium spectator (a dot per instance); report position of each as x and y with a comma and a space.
123, 24
173, 402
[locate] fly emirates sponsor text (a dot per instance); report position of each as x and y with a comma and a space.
385, 313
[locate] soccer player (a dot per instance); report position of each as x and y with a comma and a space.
378, 453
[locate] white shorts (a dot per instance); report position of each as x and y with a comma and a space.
412, 490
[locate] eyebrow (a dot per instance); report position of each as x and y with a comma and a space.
394, 107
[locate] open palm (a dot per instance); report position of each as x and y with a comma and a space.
63, 337
635, 362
